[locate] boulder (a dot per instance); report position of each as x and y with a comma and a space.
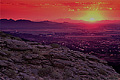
17, 45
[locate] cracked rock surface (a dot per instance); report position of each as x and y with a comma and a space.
20, 60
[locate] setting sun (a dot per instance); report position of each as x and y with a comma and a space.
92, 19
92, 16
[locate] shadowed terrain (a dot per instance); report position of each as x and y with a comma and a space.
26, 60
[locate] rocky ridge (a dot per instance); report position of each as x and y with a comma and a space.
20, 60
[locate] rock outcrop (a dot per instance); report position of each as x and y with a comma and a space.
20, 60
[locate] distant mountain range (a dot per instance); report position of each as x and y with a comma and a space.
81, 21
27, 24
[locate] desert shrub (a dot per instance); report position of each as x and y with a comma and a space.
3, 58
103, 72
56, 75
9, 72
67, 74
55, 45
36, 50
44, 71
113, 78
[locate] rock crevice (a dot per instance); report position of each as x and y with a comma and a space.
20, 60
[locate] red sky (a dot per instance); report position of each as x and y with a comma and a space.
37, 10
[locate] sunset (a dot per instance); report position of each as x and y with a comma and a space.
92, 16
59, 39
38, 10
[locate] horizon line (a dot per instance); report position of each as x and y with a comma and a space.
56, 20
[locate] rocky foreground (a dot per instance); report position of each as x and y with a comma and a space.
20, 60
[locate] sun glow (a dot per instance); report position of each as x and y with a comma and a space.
92, 19
92, 16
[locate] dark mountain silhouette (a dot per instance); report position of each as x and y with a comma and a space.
27, 24
69, 20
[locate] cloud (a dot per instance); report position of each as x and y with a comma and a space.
70, 6
77, 6
20, 4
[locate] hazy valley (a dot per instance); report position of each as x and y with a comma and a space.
100, 39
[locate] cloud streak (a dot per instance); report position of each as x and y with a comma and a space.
77, 6
52, 9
